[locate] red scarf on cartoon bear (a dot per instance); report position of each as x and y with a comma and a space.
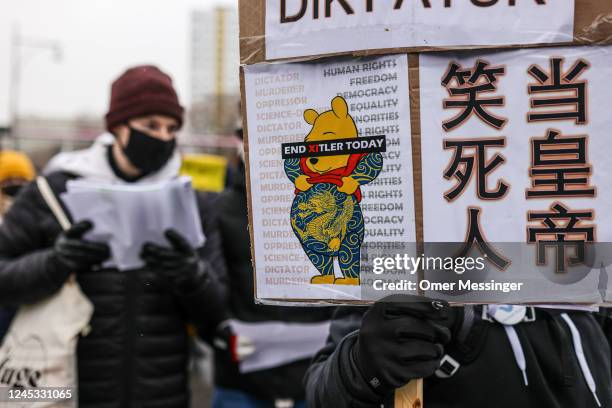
333, 176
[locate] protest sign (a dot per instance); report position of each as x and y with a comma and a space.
330, 166
284, 29
275, 29
511, 159
207, 171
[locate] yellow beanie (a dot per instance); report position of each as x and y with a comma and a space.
15, 165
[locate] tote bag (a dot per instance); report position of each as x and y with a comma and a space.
38, 355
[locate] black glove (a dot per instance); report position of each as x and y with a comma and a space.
401, 338
180, 263
72, 253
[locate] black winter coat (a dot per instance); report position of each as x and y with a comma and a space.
136, 353
280, 382
488, 376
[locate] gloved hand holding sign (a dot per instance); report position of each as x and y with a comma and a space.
401, 338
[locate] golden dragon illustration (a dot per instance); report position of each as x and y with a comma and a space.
326, 227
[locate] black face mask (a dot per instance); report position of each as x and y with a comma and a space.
147, 153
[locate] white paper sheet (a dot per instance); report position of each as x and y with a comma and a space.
279, 343
127, 216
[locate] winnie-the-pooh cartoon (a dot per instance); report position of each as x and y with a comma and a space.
325, 214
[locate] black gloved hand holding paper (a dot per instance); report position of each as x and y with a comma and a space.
72, 253
179, 263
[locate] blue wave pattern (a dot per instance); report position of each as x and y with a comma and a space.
292, 169
307, 210
368, 168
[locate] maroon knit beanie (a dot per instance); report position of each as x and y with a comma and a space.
140, 91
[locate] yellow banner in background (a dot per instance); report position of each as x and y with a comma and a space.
207, 171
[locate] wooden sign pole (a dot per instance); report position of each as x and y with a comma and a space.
411, 394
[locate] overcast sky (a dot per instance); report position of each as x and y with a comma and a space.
99, 39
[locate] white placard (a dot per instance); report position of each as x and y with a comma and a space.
313, 27
528, 113
375, 91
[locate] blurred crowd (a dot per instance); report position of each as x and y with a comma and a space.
150, 325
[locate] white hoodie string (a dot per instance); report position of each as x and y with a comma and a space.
517, 349
519, 355
584, 366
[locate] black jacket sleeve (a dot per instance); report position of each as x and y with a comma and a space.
205, 301
605, 320
333, 379
26, 273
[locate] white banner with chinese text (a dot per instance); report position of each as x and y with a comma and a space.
517, 160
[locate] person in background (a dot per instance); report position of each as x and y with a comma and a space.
471, 356
16, 170
286, 336
136, 354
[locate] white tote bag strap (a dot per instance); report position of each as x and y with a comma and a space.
51, 200
62, 218
56, 209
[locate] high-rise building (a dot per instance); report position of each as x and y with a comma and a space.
215, 86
